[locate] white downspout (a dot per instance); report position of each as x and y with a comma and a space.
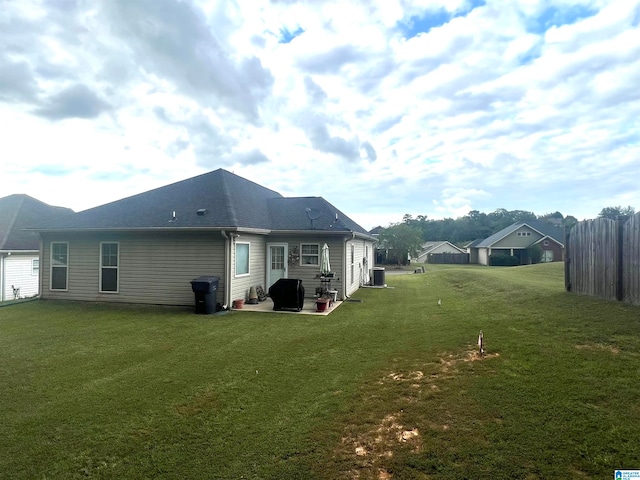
346, 264
227, 271
40, 266
2, 277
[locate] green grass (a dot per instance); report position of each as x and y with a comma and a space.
385, 388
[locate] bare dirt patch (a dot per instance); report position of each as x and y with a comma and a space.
602, 347
370, 451
199, 403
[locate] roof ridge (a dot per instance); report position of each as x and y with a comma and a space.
13, 220
226, 193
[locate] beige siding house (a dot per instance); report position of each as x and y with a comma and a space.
147, 248
516, 239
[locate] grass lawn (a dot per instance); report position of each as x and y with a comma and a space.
388, 387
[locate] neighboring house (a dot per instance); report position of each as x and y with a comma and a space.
148, 247
429, 248
472, 250
517, 238
19, 249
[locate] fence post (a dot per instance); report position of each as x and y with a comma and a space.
567, 261
620, 260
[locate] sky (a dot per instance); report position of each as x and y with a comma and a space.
382, 107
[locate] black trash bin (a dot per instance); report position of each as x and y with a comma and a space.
205, 290
378, 276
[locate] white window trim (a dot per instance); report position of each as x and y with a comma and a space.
52, 266
117, 268
302, 255
35, 266
235, 253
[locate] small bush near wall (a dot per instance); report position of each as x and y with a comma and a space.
503, 261
535, 253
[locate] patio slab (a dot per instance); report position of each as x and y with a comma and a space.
308, 308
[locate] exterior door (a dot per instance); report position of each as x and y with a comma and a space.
276, 263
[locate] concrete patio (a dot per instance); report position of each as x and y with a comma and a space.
308, 308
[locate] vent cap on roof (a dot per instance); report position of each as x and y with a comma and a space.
202, 212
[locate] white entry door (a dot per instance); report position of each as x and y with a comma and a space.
276, 263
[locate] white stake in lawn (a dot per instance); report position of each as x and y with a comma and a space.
481, 343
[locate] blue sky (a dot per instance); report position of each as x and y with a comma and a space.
384, 108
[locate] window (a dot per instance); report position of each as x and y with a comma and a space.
353, 262
310, 254
35, 266
242, 259
59, 265
109, 261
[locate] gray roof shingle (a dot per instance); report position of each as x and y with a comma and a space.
230, 201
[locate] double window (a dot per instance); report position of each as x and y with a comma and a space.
310, 254
109, 262
59, 265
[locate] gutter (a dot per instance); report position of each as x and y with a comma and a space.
146, 229
9, 252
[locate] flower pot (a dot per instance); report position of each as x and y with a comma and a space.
322, 304
238, 304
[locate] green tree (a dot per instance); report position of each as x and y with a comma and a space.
402, 240
614, 212
569, 222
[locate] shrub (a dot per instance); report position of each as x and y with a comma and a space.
535, 253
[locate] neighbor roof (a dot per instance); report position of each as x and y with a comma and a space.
20, 211
431, 245
475, 243
544, 228
225, 201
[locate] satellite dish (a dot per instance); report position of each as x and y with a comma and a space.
313, 214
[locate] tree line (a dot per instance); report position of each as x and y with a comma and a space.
477, 224
409, 234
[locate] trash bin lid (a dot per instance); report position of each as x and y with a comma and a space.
205, 279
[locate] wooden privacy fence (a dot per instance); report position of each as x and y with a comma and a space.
603, 259
448, 258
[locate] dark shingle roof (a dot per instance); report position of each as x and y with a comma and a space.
230, 201
306, 213
543, 227
18, 212
475, 243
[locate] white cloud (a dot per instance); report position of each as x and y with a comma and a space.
517, 105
